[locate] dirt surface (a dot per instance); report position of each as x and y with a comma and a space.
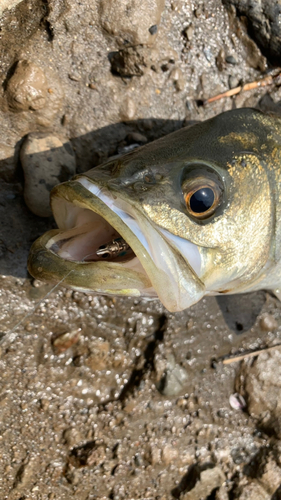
104, 398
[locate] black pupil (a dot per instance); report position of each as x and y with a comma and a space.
202, 200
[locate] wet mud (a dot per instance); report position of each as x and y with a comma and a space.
114, 398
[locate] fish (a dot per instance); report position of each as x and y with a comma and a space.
192, 214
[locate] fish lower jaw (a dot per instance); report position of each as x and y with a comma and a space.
139, 260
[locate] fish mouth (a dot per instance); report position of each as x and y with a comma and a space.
104, 244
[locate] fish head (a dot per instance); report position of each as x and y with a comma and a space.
195, 209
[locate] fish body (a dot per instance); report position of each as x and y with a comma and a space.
194, 213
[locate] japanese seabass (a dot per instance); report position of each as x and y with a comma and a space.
195, 213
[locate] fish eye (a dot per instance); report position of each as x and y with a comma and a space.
202, 197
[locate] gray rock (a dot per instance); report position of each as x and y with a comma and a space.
46, 161
264, 23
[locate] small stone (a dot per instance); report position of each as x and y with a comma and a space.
27, 87
153, 29
220, 60
189, 32
190, 324
231, 60
64, 341
46, 161
233, 82
127, 109
177, 77
237, 402
169, 454
74, 76
136, 138
38, 283
268, 323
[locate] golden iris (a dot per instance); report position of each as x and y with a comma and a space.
202, 197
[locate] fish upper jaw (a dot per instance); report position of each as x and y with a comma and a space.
179, 274
157, 266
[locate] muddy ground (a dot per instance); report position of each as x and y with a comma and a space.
111, 398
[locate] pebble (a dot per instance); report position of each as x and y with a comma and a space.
153, 29
136, 138
268, 323
189, 32
74, 76
231, 60
27, 88
177, 77
233, 81
64, 341
127, 109
237, 402
46, 162
220, 60
169, 454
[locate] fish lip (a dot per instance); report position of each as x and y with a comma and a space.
75, 193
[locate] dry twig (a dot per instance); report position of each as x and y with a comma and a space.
267, 80
251, 354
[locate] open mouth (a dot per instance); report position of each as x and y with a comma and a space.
93, 239
105, 245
